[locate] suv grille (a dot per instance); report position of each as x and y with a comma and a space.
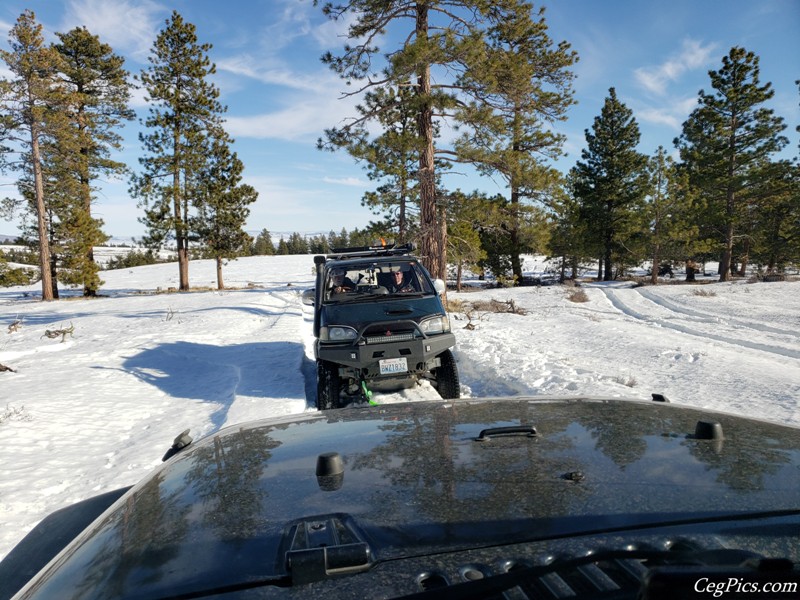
394, 337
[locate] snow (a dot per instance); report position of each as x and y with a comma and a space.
97, 411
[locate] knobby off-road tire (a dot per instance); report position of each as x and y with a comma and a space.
446, 377
328, 385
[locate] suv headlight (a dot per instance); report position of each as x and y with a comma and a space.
435, 325
337, 334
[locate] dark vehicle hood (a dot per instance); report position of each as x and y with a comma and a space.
417, 481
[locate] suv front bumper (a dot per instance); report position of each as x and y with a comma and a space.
363, 360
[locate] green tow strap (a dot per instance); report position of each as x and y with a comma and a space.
367, 393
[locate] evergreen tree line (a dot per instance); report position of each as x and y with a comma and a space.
60, 114
487, 70
506, 86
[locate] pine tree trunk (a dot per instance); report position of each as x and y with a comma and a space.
89, 285
180, 224
89, 281
745, 258
608, 273
727, 254
691, 269
516, 264
432, 254
401, 216
220, 284
54, 275
41, 222
656, 266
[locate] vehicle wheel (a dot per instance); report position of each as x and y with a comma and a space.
328, 385
446, 377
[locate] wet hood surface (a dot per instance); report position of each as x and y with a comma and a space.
416, 480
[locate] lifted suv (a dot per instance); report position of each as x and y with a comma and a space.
379, 324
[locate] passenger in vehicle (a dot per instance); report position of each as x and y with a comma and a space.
340, 283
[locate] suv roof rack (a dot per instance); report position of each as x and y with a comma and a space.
363, 251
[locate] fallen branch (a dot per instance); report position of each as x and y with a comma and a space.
63, 332
5, 368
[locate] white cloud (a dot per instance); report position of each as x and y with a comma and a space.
123, 24
693, 55
302, 118
673, 114
349, 181
261, 70
660, 116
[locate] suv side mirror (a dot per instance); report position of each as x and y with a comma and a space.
439, 286
308, 296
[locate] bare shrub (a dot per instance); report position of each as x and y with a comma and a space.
13, 413
455, 305
496, 306
629, 380
703, 293
577, 295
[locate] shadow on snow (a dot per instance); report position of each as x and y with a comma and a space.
219, 374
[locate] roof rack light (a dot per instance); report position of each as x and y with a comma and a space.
377, 250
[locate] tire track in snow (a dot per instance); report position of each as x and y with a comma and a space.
620, 305
281, 368
708, 318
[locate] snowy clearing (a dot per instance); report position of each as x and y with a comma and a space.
98, 410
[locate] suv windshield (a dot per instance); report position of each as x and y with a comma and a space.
344, 282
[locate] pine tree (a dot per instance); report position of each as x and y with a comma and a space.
520, 87
390, 157
568, 242
440, 34
466, 215
610, 181
671, 212
776, 241
726, 144
184, 117
222, 205
27, 100
98, 92
263, 245
340, 240
297, 244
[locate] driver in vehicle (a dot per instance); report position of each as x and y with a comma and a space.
340, 283
399, 283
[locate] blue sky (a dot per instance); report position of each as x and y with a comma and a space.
280, 97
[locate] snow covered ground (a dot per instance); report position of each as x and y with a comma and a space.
98, 410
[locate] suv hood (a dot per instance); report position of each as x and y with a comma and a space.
417, 481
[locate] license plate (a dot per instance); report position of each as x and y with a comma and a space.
389, 366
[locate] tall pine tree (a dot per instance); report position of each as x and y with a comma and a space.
95, 82
520, 86
437, 34
222, 203
184, 117
726, 144
390, 158
610, 181
27, 100
670, 212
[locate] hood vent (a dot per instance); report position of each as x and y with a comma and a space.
643, 572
